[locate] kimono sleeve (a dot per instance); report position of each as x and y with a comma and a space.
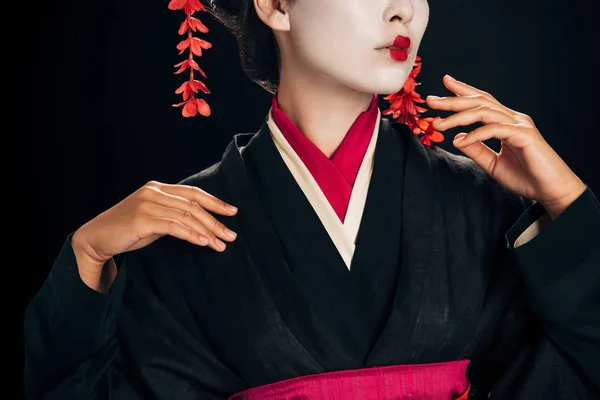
68, 331
127, 344
559, 267
163, 335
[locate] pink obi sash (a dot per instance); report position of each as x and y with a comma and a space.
434, 381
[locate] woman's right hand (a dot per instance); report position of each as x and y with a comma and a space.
154, 210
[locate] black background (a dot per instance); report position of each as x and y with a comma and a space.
94, 120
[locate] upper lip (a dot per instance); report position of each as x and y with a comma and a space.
399, 42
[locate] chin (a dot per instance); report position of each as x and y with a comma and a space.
383, 84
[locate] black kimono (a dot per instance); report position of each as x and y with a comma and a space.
434, 278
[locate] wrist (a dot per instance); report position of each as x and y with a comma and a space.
90, 267
556, 208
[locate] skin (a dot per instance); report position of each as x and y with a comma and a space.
525, 164
330, 69
154, 210
329, 56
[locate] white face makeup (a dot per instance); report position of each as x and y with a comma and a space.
337, 39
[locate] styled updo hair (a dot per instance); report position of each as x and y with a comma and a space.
259, 52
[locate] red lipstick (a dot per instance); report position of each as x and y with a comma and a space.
402, 42
398, 51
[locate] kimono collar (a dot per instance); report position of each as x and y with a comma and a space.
336, 175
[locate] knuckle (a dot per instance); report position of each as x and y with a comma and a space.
526, 118
221, 203
215, 201
531, 130
207, 234
220, 226
146, 191
481, 111
198, 191
211, 237
173, 225
152, 184
216, 225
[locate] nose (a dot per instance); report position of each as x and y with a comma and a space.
401, 10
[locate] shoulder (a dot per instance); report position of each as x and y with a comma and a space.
211, 179
206, 179
457, 180
457, 177
458, 168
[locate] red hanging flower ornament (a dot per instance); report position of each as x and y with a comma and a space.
189, 89
404, 109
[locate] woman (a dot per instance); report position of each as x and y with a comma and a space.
362, 263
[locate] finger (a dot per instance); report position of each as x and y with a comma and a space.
462, 103
205, 199
183, 204
513, 134
480, 153
462, 89
182, 227
183, 221
483, 114
176, 228
199, 219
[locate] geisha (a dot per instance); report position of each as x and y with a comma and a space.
362, 261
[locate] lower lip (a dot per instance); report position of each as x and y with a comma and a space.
398, 54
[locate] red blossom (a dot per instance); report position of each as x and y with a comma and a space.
189, 64
194, 44
429, 134
191, 105
189, 6
191, 87
192, 23
404, 110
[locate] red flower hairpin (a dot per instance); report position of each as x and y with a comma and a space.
189, 89
405, 111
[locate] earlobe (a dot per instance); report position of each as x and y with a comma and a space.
272, 14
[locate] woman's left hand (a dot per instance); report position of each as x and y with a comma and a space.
526, 164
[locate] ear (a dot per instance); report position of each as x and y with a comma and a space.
273, 13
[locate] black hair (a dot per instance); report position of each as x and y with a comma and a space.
258, 49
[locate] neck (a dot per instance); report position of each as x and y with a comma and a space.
323, 112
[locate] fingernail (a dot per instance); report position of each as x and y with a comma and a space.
203, 240
220, 244
433, 97
451, 78
456, 141
231, 208
229, 233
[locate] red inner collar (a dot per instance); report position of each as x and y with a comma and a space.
336, 175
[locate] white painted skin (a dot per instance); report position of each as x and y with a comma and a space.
336, 40
330, 65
